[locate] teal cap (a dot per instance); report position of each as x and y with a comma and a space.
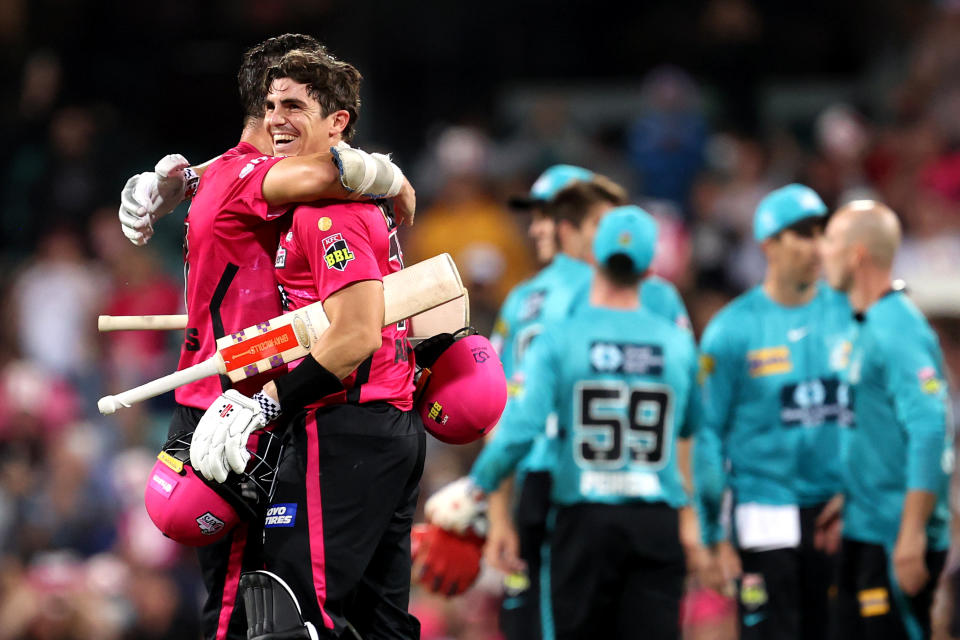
628, 230
785, 207
551, 182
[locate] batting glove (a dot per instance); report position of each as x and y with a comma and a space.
443, 562
149, 196
367, 175
225, 426
459, 507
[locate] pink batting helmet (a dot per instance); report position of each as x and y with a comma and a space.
461, 395
192, 511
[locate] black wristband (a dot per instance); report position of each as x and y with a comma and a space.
307, 383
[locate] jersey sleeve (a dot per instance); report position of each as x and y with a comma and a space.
339, 243
524, 417
920, 400
245, 196
502, 335
691, 414
721, 363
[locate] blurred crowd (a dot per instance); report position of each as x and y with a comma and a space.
78, 556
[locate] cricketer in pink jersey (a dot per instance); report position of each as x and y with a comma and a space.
326, 248
337, 532
229, 244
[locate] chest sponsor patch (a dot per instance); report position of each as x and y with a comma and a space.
769, 361
281, 260
281, 514
811, 403
621, 357
336, 253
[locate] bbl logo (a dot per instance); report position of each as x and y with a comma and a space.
336, 252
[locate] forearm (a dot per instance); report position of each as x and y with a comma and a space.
498, 460
917, 508
498, 503
303, 179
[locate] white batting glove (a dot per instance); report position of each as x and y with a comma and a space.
460, 506
149, 196
135, 222
171, 186
231, 418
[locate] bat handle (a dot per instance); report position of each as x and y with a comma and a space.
110, 404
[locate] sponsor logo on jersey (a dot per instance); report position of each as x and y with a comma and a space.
753, 591
874, 602
769, 361
532, 305
324, 223
622, 357
929, 382
813, 402
840, 355
281, 260
209, 524
281, 514
251, 165
336, 252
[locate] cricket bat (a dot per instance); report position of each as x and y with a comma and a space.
446, 318
289, 337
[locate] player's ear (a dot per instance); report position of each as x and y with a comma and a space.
339, 122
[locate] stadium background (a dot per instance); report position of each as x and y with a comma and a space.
699, 108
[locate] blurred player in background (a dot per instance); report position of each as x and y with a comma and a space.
898, 455
350, 479
545, 298
772, 402
622, 382
230, 241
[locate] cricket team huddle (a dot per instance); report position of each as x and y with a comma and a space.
798, 458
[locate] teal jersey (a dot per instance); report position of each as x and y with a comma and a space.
623, 387
551, 295
902, 439
546, 297
773, 400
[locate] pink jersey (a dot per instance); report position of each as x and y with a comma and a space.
327, 246
229, 244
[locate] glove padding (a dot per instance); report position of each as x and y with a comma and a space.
147, 197
220, 442
366, 175
459, 507
445, 563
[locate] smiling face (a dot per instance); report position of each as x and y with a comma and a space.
295, 120
543, 232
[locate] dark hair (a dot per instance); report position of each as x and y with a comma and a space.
619, 269
572, 203
261, 57
333, 83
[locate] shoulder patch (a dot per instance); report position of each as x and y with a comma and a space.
929, 382
336, 253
